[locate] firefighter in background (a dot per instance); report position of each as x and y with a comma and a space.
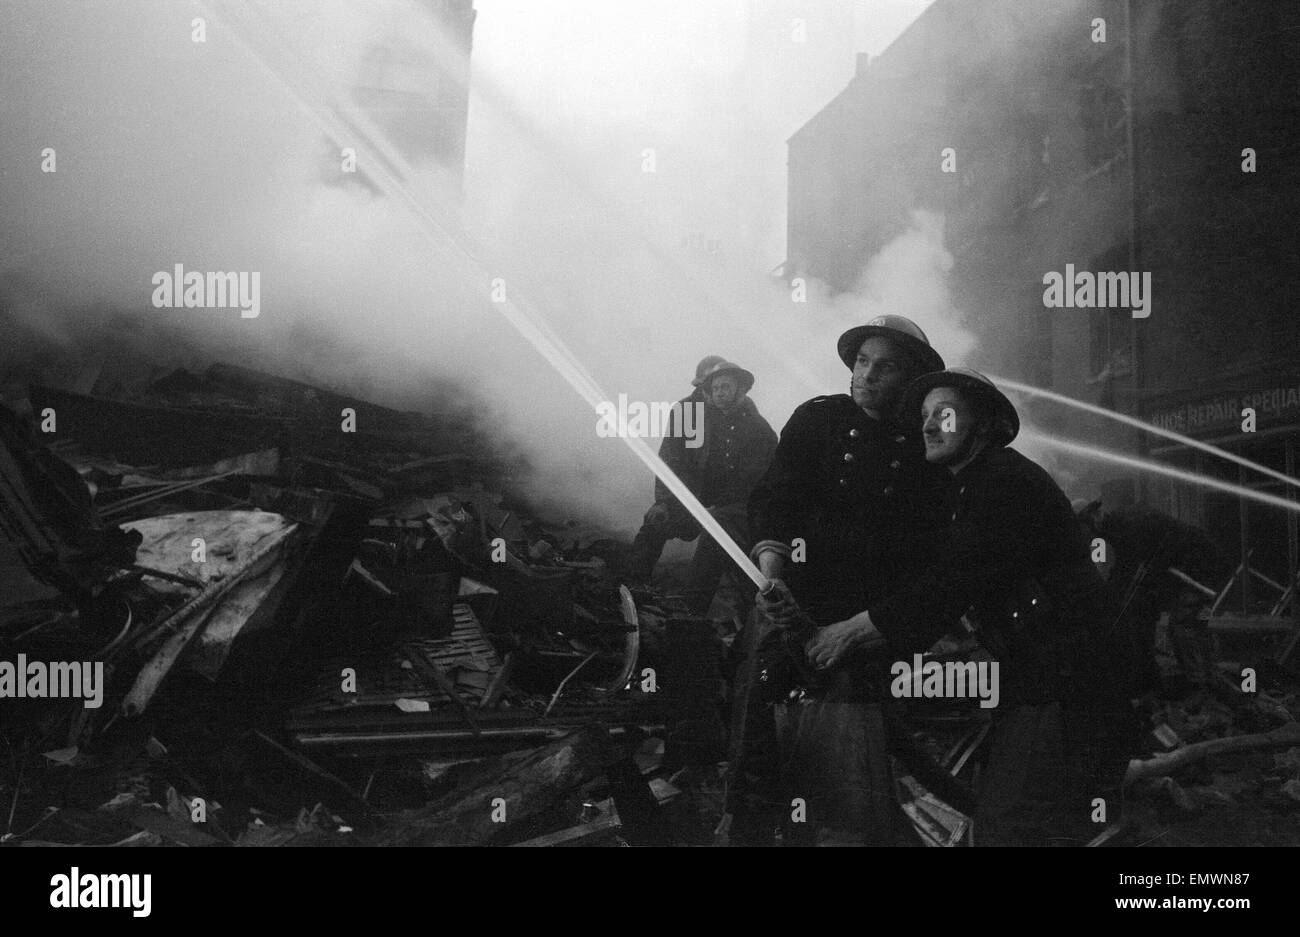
1015, 562
737, 445
1159, 571
848, 501
639, 564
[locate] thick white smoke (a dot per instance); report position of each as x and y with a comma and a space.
644, 234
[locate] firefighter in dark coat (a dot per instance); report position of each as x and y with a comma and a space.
848, 480
1016, 563
846, 504
666, 519
736, 447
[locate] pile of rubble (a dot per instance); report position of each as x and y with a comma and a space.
1224, 767
299, 617
321, 620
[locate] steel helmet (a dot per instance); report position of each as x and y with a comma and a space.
702, 368
982, 391
898, 329
746, 378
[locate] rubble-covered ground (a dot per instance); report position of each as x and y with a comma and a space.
322, 621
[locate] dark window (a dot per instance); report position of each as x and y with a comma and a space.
1110, 331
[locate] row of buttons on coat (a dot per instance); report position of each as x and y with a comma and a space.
848, 457
727, 452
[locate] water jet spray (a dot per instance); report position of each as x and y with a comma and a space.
1144, 465
1142, 425
393, 175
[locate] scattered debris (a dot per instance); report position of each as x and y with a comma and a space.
285, 611
368, 638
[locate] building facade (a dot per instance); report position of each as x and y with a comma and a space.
414, 83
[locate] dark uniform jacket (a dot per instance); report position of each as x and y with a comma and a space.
860, 494
1016, 559
735, 451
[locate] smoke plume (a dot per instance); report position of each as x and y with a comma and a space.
644, 233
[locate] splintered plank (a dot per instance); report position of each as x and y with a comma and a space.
186, 623
504, 791
1284, 736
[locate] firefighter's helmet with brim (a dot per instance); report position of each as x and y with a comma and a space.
702, 368
898, 329
978, 389
746, 378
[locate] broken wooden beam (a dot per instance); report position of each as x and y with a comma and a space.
504, 791
188, 621
434, 674
352, 799
1282, 737
500, 680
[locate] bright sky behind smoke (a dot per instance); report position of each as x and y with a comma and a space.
172, 151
